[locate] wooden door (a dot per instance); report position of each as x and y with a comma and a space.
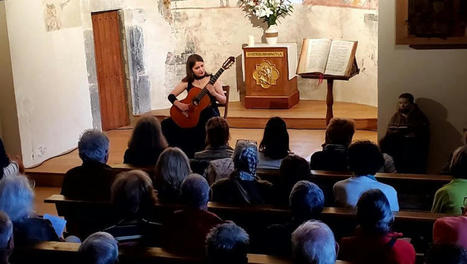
110, 73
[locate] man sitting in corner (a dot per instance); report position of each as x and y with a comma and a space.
407, 138
93, 179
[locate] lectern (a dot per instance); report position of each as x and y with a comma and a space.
269, 75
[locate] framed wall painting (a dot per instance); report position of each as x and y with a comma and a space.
434, 23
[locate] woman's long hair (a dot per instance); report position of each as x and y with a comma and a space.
172, 167
190, 63
275, 143
147, 136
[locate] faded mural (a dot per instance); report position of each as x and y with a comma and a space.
60, 14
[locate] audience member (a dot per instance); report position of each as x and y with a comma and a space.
16, 200
6, 238
172, 168
313, 243
91, 180
275, 144
219, 169
9, 166
242, 186
227, 243
217, 140
365, 159
446, 168
451, 230
306, 203
450, 198
185, 231
146, 143
446, 254
333, 157
408, 136
293, 169
133, 198
373, 241
99, 248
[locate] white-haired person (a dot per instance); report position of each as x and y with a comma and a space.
99, 248
228, 244
6, 238
306, 202
313, 243
186, 229
373, 241
17, 200
92, 180
172, 167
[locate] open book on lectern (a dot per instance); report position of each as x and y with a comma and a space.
329, 57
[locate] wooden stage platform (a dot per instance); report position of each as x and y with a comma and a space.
307, 114
305, 122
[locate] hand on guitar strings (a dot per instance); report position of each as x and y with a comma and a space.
183, 107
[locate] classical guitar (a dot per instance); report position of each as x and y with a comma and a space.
197, 100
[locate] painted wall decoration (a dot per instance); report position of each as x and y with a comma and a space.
365, 4
60, 14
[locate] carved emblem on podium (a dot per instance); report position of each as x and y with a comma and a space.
266, 74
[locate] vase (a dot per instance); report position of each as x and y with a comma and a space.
271, 34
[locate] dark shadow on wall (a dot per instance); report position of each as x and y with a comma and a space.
444, 136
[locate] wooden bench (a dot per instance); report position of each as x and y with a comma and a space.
82, 216
63, 252
415, 191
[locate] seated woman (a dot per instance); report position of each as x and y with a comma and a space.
242, 186
9, 166
365, 159
333, 157
450, 198
293, 169
217, 140
133, 198
374, 242
17, 200
191, 140
275, 144
146, 143
172, 168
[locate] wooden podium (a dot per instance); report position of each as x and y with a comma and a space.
269, 74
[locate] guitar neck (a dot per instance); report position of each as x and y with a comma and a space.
211, 81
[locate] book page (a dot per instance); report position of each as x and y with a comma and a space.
339, 57
314, 55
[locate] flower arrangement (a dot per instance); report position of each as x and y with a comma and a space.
268, 10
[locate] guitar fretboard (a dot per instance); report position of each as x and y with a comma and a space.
211, 81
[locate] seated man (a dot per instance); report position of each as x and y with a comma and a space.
185, 230
408, 136
333, 157
450, 198
306, 202
313, 242
6, 238
99, 248
227, 243
91, 180
364, 161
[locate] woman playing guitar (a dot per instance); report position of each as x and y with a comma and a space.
191, 140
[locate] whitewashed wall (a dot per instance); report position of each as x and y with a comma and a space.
51, 88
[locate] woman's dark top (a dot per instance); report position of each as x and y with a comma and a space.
235, 191
141, 158
190, 140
